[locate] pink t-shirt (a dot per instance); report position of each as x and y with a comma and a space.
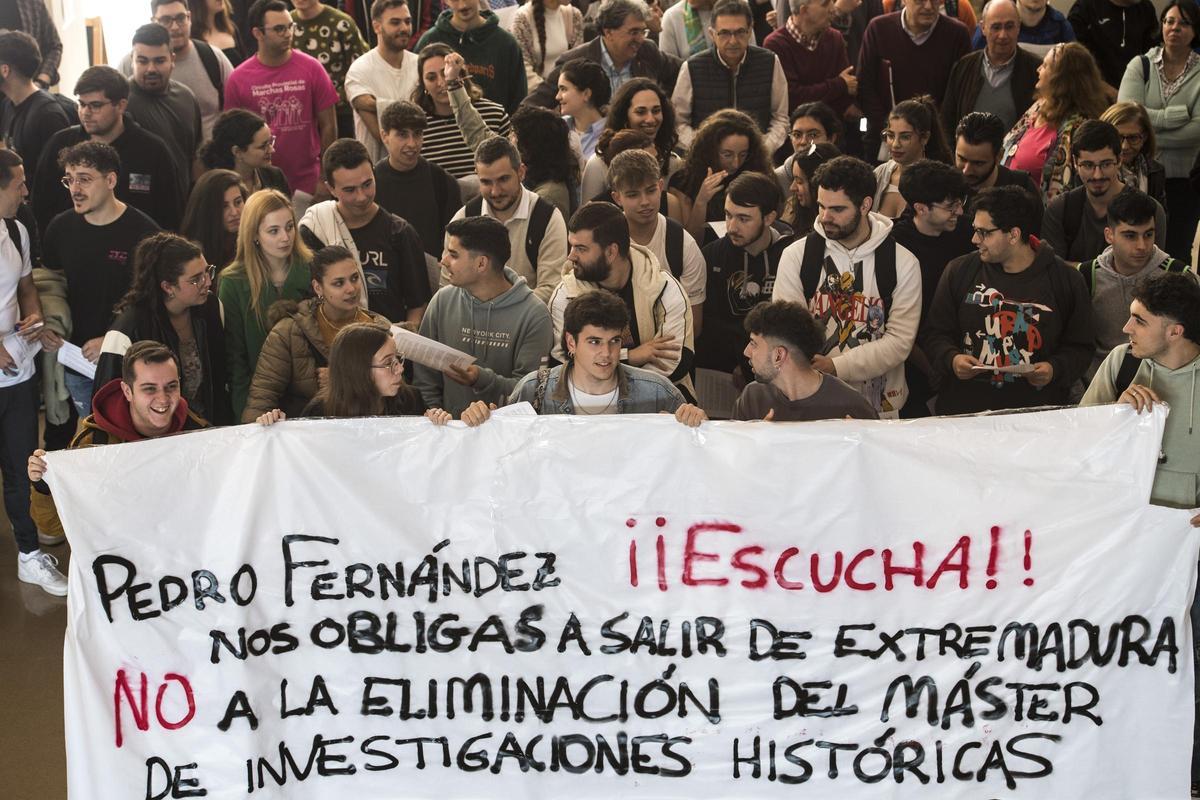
1033, 149
288, 97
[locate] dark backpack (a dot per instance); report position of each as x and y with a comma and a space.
539, 220
1074, 203
212, 66
674, 247
1129, 368
885, 268
1088, 271
14, 233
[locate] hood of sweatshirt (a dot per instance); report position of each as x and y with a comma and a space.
1105, 262
491, 24
881, 226
110, 411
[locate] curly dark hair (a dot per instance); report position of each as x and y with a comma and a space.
545, 146
236, 127
159, 257
618, 116
703, 153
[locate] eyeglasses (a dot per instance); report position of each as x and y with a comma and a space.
95, 105
1134, 139
805, 136
635, 33
1007, 27
904, 138
953, 208
395, 364
177, 21
83, 181
983, 233
725, 36
1090, 167
203, 277
280, 30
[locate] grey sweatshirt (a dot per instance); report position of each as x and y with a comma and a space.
508, 335
1112, 293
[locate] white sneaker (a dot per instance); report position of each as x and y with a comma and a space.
42, 570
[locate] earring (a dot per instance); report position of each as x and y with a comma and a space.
257, 243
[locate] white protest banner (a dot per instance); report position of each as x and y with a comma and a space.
625, 607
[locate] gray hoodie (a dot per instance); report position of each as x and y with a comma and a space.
1177, 479
1112, 293
508, 335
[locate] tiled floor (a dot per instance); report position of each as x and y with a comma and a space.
32, 756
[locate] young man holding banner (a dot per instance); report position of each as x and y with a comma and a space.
145, 403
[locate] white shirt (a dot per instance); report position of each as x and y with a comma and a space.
14, 265
370, 74
694, 274
585, 403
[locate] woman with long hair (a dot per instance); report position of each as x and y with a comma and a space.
727, 144
914, 132
459, 116
212, 22
170, 300
800, 208
271, 264
544, 30
809, 124
1166, 81
214, 214
294, 359
1069, 90
366, 379
642, 105
1140, 167
242, 142
582, 97
551, 167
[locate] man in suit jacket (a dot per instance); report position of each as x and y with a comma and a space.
998, 79
621, 50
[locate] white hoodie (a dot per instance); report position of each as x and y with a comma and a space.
868, 355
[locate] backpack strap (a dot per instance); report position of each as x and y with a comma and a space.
14, 233
885, 272
1173, 265
812, 264
1145, 68
1129, 368
539, 220
1088, 270
208, 58
1073, 209
674, 247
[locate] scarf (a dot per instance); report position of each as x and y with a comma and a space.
693, 28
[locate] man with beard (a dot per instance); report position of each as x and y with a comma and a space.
784, 339
603, 258
978, 145
1074, 221
1011, 325
384, 75
147, 179
92, 246
863, 286
741, 268
386, 246
164, 106
536, 231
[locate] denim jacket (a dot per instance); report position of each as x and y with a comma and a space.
639, 391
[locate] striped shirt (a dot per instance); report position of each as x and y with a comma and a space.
444, 144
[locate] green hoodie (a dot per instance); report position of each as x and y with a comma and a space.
493, 57
1177, 479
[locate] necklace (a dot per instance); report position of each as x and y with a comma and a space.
575, 391
336, 326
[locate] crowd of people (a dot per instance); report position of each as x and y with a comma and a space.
783, 211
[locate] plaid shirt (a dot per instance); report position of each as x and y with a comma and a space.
35, 20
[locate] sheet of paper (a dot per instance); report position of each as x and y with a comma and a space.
718, 228
515, 410
426, 351
1015, 369
20, 350
69, 355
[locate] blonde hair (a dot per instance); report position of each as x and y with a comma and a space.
249, 259
1129, 111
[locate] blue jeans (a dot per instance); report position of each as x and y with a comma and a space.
80, 389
